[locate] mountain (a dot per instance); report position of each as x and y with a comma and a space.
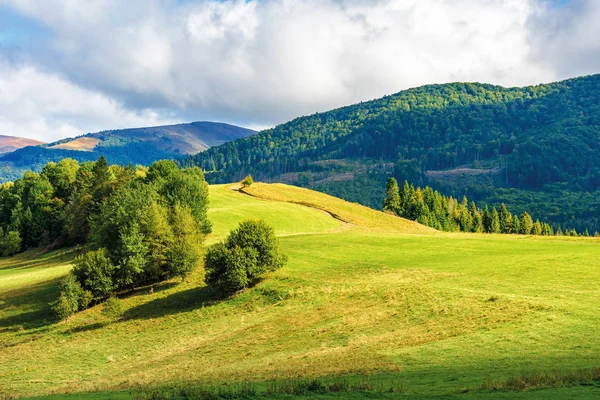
534, 148
124, 146
12, 143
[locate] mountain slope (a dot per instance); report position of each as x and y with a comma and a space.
12, 143
491, 143
124, 146
439, 314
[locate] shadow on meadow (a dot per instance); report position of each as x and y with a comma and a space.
31, 304
179, 302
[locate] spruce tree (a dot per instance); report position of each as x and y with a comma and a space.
537, 228
505, 219
526, 224
392, 198
494, 221
516, 225
486, 220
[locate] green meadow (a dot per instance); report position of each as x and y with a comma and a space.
367, 299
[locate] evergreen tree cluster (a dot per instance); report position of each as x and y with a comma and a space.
430, 208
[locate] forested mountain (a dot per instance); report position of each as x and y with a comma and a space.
533, 148
124, 146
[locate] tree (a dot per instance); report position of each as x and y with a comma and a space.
392, 198
516, 225
526, 224
183, 255
494, 221
95, 272
249, 251
72, 298
10, 243
505, 219
247, 181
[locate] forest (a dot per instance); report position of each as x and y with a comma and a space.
430, 208
536, 139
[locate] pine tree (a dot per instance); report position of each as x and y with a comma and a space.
392, 198
486, 220
516, 225
505, 219
537, 228
526, 224
494, 221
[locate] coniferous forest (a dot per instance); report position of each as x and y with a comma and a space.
429, 207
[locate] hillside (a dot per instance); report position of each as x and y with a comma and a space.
12, 143
424, 312
534, 148
124, 146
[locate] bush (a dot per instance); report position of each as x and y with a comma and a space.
248, 252
10, 243
72, 298
94, 271
113, 307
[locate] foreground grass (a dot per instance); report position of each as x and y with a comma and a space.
436, 314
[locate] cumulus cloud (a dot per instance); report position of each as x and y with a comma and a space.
46, 107
258, 63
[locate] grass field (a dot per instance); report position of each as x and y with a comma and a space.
462, 315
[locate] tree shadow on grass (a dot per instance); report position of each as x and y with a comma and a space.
175, 303
28, 307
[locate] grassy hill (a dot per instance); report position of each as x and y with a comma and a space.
124, 146
534, 148
12, 143
363, 294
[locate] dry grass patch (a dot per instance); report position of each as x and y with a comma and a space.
352, 213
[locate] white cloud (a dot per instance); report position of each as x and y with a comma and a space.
263, 62
44, 106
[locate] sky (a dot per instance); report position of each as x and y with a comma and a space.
69, 67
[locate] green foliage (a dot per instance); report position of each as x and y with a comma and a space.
392, 198
72, 298
10, 243
94, 272
247, 181
249, 251
113, 308
429, 207
534, 140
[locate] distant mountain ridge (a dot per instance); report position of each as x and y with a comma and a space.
123, 146
535, 148
12, 143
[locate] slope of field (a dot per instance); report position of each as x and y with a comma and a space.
12, 143
438, 313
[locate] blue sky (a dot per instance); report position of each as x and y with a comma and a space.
69, 67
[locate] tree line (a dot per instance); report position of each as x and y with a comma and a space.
430, 208
135, 226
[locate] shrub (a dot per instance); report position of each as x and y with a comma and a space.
94, 271
113, 307
10, 243
72, 298
248, 252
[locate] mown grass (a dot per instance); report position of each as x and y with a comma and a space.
436, 314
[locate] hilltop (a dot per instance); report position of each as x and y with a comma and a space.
364, 294
534, 148
124, 146
12, 143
